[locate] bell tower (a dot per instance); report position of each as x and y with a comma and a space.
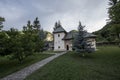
59, 33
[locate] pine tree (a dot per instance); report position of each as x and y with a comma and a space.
36, 24
28, 39
57, 25
3, 39
80, 43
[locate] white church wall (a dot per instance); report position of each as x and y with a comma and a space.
69, 43
59, 44
92, 42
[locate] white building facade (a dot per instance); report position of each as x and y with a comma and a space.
63, 40
59, 43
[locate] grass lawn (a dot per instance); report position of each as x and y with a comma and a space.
9, 66
104, 64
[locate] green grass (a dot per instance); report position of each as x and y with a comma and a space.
9, 66
104, 64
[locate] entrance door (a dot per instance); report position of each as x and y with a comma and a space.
67, 47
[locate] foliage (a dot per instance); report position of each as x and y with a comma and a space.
41, 40
34, 35
114, 11
107, 33
4, 40
114, 15
21, 44
28, 39
111, 31
17, 49
1, 22
15, 45
4, 44
80, 43
57, 24
36, 24
79, 39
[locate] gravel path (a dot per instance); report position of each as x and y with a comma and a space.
22, 74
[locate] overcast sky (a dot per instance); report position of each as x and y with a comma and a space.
92, 13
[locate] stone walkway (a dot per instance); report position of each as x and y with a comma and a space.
22, 74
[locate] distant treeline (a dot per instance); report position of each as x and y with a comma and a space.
111, 31
107, 43
21, 44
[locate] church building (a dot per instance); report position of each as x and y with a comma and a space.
63, 39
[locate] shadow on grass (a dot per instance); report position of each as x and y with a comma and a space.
80, 55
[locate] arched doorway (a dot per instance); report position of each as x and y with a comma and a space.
67, 47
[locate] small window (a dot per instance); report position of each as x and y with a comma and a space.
58, 47
58, 35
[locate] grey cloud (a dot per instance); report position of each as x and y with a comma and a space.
90, 12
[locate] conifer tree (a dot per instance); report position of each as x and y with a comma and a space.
80, 43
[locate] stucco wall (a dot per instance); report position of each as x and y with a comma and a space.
92, 41
59, 44
69, 43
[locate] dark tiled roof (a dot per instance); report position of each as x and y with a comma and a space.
59, 29
89, 35
72, 35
